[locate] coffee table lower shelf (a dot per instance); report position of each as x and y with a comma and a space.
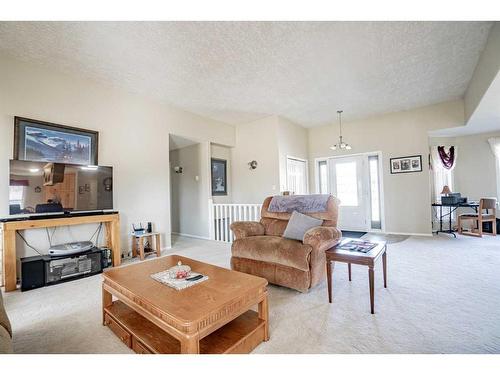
239, 336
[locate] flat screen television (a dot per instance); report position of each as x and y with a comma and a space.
47, 188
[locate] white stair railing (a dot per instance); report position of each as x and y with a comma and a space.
222, 215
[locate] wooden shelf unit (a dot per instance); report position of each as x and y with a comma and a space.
239, 336
9, 229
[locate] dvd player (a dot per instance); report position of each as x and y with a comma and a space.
70, 248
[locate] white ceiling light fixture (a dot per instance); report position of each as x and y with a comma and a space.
341, 145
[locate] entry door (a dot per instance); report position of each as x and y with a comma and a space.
349, 183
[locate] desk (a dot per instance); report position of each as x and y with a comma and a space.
452, 208
9, 229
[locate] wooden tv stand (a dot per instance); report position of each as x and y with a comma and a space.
9, 229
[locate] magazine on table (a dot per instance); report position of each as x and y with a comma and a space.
357, 245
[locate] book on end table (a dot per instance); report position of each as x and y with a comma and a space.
357, 245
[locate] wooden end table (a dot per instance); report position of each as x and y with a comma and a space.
355, 257
138, 244
214, 316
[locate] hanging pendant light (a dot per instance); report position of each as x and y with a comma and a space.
341, 145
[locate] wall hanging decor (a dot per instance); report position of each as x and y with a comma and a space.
406, 164
252, 164
43, 141
219, 176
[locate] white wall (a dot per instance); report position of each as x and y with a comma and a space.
292, 141
406, 196
190, 190
268, 141
133, 138
256, 140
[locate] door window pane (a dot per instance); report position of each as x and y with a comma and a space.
374, 192
347, 183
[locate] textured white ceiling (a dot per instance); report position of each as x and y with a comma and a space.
240, 71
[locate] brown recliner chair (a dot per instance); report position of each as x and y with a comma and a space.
259, 248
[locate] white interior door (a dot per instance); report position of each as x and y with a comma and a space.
296, 175
349, 182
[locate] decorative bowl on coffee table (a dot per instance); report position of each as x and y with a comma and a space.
180, 271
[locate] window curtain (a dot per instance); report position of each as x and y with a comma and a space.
447, 157
441, 172
495, 147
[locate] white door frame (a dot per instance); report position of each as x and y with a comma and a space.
381, 182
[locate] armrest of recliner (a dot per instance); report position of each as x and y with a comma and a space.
322, 238
242, 229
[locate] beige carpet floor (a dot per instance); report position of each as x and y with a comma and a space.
443, 296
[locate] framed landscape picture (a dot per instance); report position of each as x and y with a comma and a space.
406, 164
219, 176
43, 141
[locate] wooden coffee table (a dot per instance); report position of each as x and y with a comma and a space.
354, 257
213, 316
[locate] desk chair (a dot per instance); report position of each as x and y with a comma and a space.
488, 204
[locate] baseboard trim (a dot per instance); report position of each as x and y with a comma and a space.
191, 236
407, 234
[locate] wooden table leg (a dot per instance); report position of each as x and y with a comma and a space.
349, 269
9, 260
107, 300
372, 289
329, 267
157, 244
113, 240
190, 345
264, 315
141, 247
107, 235
384, 266
134, 246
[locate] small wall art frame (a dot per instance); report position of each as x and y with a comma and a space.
44, 141
406, 164
219, 176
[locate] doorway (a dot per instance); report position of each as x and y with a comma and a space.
189, 186
356, 181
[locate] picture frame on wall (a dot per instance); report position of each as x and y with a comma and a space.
36, 140
406, 164
219, 176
